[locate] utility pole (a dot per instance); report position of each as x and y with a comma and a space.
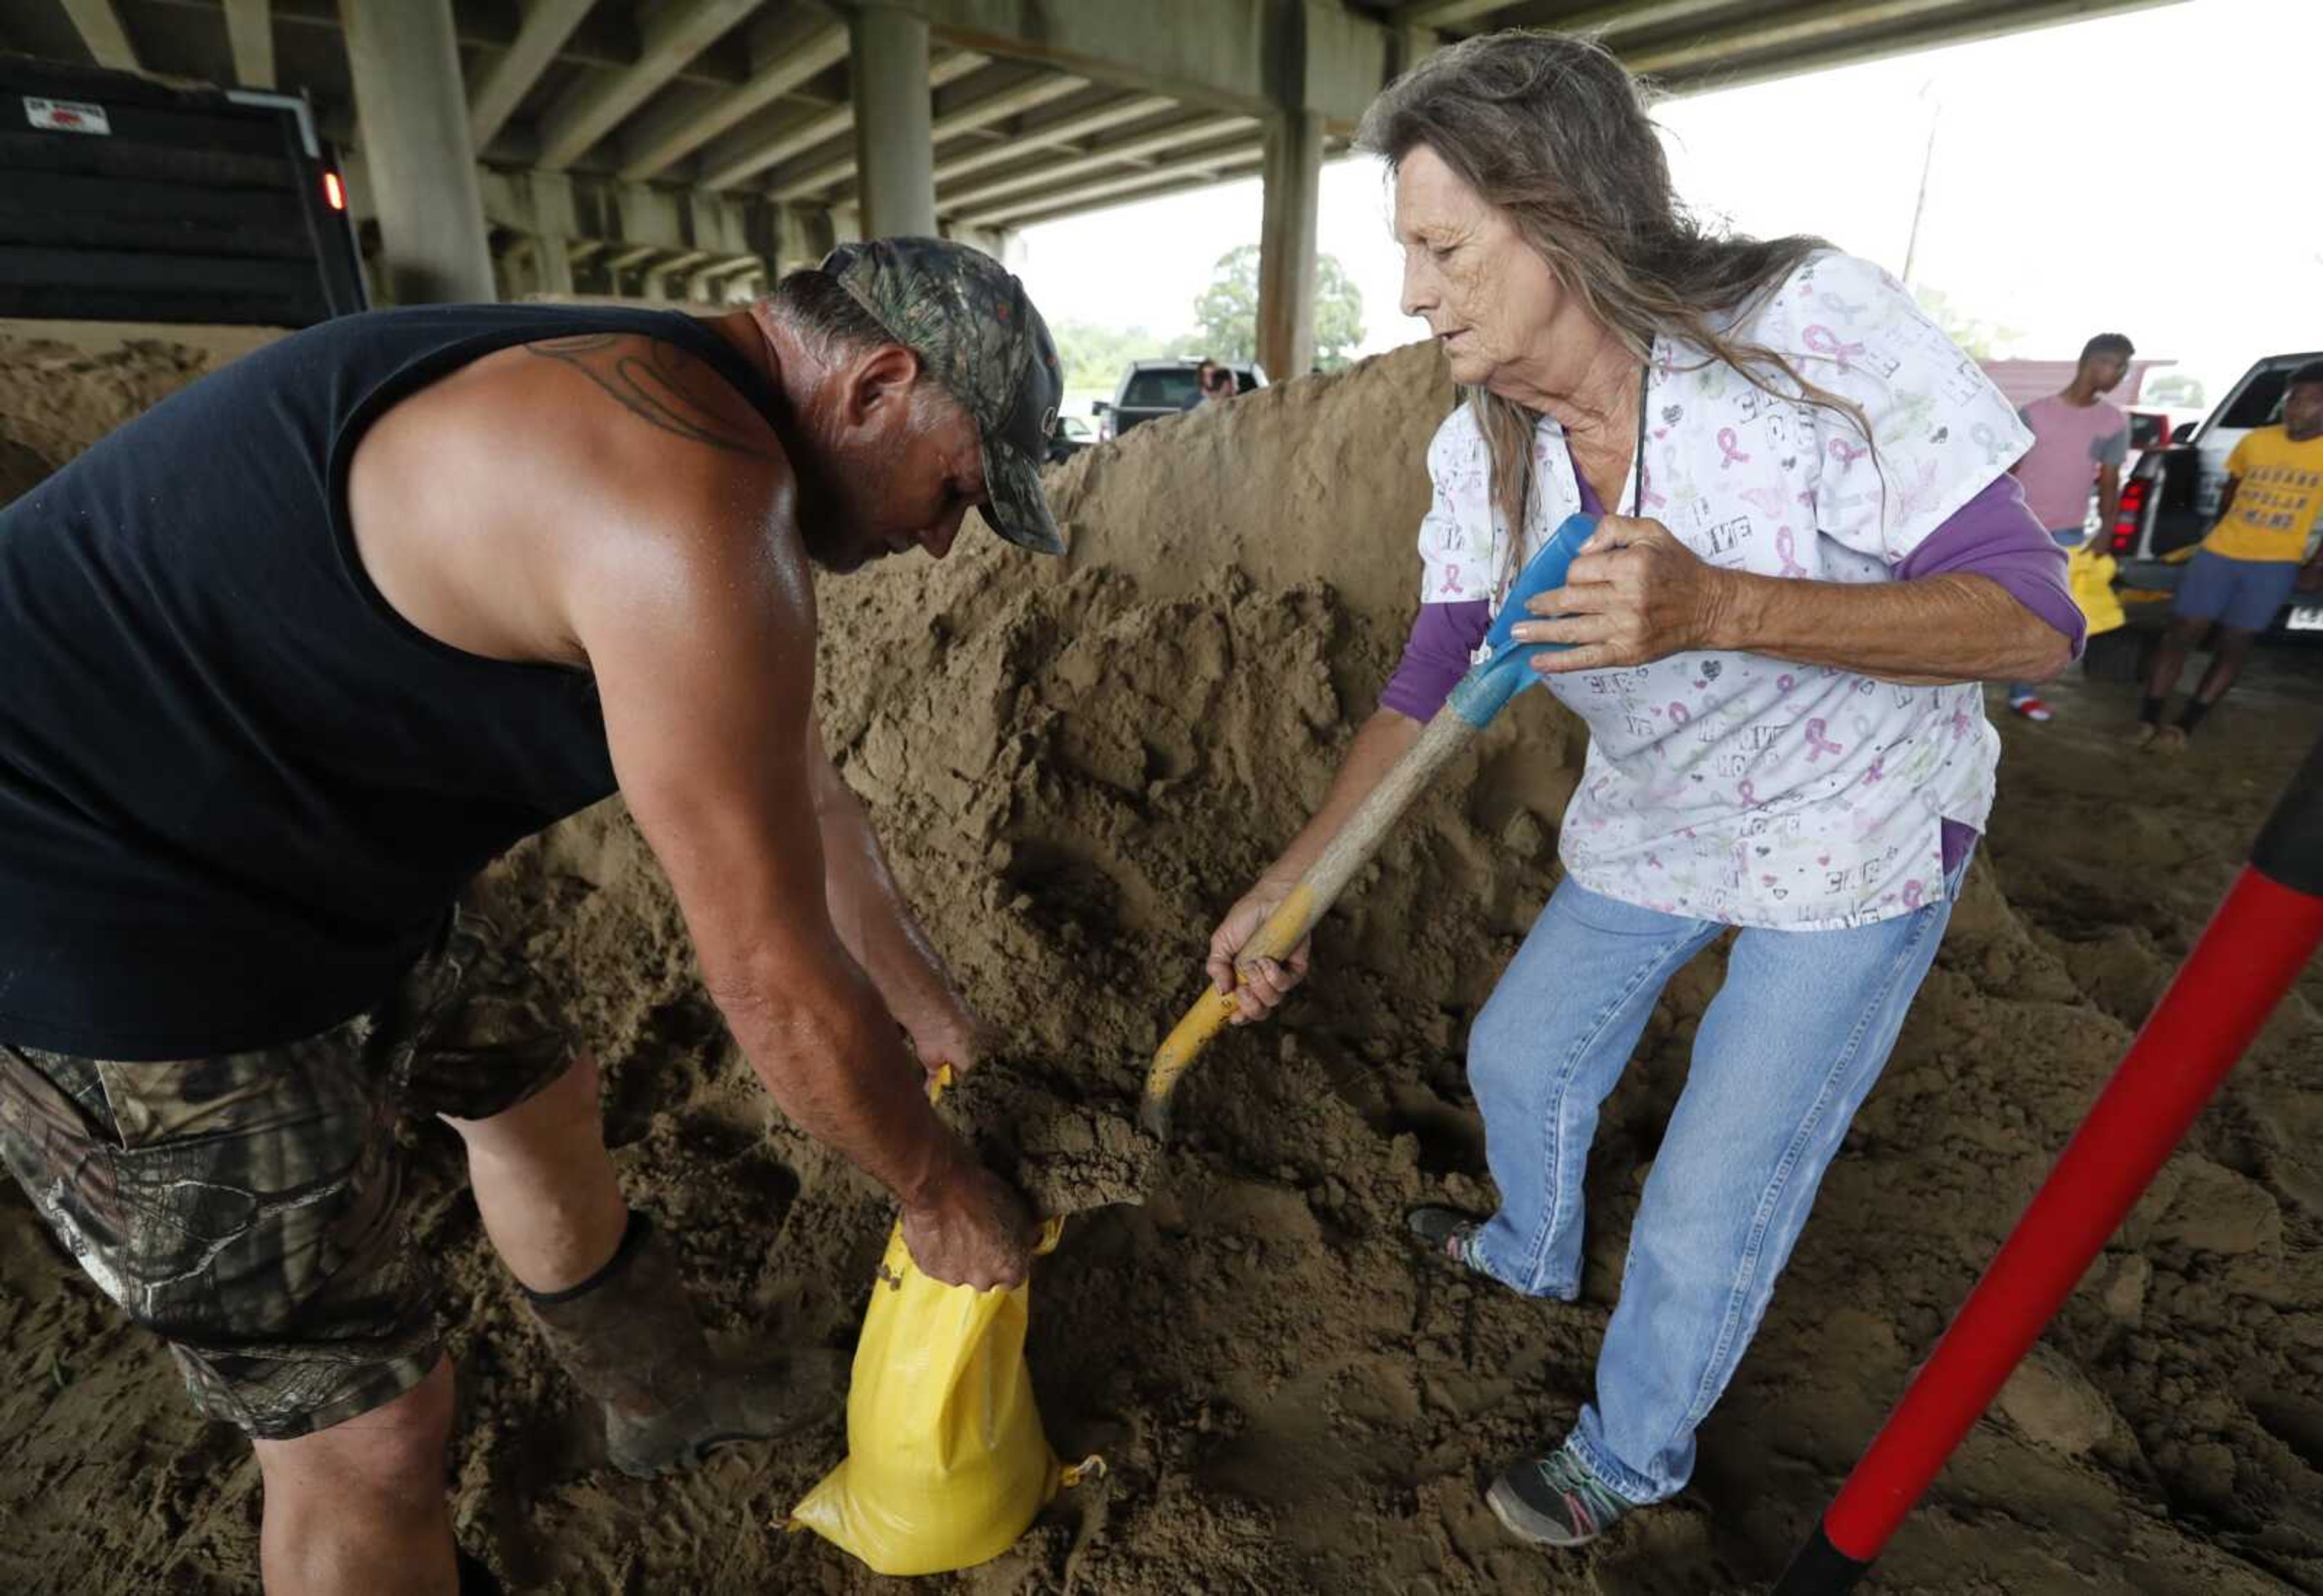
1927, 162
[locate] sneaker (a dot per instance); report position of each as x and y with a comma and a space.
1554, 1502
1447, 1236
2143, 738
2032, 710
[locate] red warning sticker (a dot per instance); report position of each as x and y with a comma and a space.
67, 116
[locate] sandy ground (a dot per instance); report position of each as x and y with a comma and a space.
1076, 765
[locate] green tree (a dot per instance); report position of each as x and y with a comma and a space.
1096, 356
1226, 313
1983, 339
1338, 314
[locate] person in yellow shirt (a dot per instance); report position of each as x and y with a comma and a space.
2256, 554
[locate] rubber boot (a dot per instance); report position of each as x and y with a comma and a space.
628, 1337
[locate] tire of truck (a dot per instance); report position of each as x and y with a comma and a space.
2117, 655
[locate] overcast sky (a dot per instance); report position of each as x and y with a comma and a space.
2157, 174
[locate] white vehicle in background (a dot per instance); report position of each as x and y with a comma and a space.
2172, 497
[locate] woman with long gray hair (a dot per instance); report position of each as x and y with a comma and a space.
1809, 556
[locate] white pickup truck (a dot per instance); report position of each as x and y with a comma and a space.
2171, 497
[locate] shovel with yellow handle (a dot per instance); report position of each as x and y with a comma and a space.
1480, 696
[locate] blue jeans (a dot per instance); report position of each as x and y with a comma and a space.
1786, 1054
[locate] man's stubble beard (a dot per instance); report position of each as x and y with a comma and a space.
826, 518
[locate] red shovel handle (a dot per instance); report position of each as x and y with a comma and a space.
2253, 950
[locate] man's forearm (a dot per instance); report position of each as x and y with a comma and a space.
835, 1066
870, 911
1954, 627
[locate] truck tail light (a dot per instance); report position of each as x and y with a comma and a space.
334, 193
2130, 515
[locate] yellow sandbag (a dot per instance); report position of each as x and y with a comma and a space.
2090, 576
946, 1461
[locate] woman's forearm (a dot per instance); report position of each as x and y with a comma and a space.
1379, 743
1954, 628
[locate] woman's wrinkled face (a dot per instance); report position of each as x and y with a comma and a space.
1483, 292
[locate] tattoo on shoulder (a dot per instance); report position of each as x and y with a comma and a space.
656, 382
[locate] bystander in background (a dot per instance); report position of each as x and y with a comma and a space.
1213, 384
2255, 555
2077, 438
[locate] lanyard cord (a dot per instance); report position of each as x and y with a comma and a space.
1637, 471
1638, 462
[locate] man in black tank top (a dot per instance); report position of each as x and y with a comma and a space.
293, 656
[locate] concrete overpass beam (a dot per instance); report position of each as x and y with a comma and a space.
1443, 14
99, 26
1055, 174
1213, 52
657, 278
955, 119
785, 54
654, 217
421, 162
250, 36
1212, 166
674, 33
1802, 27
768, 140
548, 24
795, 240
894, 137
1059, 134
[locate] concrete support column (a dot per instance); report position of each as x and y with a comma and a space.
554, 259
553, 229
895, 136
1408, 47
414, 121
1286, 244
992, 241
796, 247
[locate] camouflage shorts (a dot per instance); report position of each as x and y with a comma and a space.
246, 1207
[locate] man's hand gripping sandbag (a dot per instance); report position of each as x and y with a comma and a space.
946, 1463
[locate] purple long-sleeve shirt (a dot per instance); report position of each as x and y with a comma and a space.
1992, 536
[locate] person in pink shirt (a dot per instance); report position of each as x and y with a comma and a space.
2077, 438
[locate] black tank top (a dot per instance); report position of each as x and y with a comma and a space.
238, 792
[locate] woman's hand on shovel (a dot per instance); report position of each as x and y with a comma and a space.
1258, 988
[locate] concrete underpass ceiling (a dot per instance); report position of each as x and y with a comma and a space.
1697, 44
752, 98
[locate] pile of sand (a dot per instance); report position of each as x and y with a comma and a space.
1076, 765
58, 397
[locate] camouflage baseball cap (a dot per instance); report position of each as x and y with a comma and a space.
967, 317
